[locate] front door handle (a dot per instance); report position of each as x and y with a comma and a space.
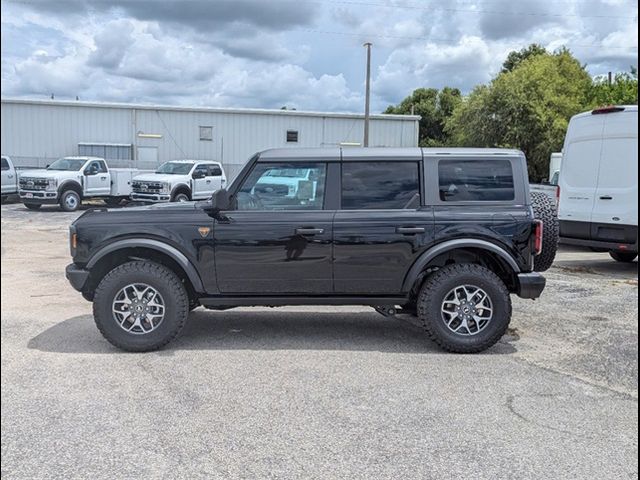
606, 197
103, 178
410, 230
309, 231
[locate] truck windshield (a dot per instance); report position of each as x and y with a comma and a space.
175, 168
68, 164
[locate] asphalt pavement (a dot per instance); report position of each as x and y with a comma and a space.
315, 392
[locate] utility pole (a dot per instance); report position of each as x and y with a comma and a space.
367, 95
610, 78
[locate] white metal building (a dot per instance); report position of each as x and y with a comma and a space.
36, 132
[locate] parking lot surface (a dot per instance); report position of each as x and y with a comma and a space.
306, 392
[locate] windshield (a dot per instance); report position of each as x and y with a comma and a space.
175, 168
287, 172
67, 164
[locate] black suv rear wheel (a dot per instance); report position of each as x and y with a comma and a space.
464, 308
544, 209
140, 306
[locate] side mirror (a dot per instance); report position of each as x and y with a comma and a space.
197, 175
219, 201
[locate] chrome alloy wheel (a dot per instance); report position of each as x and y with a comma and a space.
467, 310
138, 308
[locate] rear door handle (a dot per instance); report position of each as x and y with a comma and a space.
208, 181
410, 230
606, 197
309, 231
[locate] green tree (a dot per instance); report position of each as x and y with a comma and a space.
434, 107
623, 90
515, 58
527, 108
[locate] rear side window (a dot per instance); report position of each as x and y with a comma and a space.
214, 171
475, 180
380, 185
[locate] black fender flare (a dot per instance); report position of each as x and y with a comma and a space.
424, 259
162, 247
70, 185
179, 187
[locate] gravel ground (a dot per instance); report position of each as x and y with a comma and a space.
315, 392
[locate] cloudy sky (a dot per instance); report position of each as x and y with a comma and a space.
305, 54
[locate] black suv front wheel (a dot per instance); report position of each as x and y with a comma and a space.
140, 306
464, 308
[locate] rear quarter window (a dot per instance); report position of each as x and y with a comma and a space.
475, 180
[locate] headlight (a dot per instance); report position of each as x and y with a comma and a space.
166, 187
53, 184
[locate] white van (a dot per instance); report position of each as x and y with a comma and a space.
598, 182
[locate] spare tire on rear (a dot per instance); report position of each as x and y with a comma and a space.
544, 209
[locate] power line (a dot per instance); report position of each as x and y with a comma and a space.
400, 37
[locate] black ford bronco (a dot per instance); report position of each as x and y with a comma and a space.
442, 234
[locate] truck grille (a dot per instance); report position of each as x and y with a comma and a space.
30, 183
146, 187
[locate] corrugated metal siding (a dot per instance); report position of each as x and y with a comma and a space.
36, 133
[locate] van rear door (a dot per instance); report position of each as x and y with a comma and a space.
579, 175
615, 210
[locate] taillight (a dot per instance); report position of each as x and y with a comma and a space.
538, 230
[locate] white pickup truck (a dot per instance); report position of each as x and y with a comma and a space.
9, 178
70, 180
179, 181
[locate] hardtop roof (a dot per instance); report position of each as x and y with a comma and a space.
381, 153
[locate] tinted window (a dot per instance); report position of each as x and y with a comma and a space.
379, 185
274, 186
214, 171
96, 167
201, 169
292, 136
5, 164
475, 180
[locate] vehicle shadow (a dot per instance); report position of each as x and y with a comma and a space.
263, 330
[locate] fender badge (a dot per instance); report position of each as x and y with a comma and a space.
204, 231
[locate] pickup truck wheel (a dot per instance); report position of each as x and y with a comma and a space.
464, 308
545, 210
33, 206
70, 201
180, 197
140, 306
624, 257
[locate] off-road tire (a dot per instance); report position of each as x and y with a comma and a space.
545, 210
161, 278
434, 291
33, 206
63, 201
624, 257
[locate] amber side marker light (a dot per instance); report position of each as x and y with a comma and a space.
74, 240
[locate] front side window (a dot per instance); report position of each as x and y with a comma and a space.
96, 167
475, 180
175, 168
283, 186
5, 164
380, 185
201, 170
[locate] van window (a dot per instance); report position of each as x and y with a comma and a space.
475, 180
380, 185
